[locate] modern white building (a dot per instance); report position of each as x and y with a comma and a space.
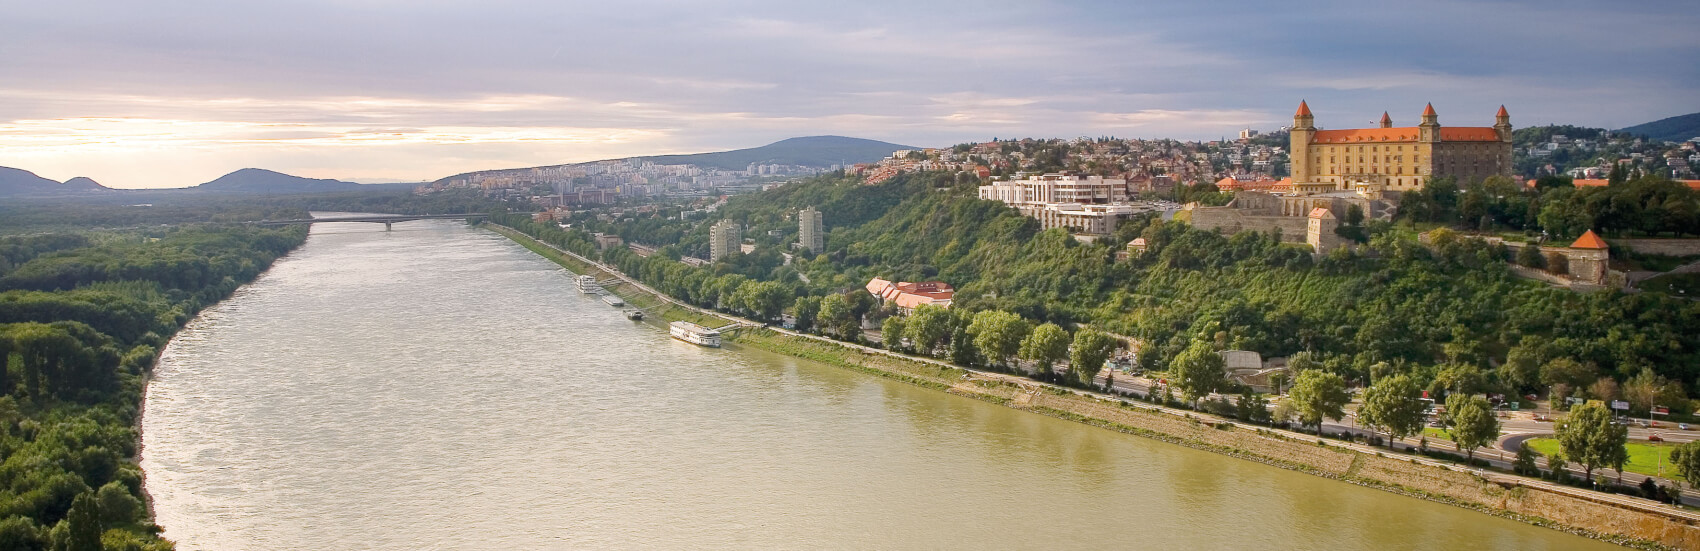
1089, 205
724, 238
1057, 188
811, 230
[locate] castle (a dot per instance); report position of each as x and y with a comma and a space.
1334, 171
1397, 158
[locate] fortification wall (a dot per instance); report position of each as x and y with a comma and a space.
1231, 220
1670, 247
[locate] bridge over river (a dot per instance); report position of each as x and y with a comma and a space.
386, 219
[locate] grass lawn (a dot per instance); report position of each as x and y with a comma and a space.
1434, 433
1644, 457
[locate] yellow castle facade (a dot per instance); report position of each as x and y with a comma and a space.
1397, 158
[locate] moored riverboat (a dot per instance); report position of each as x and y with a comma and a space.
694, 334
587, 285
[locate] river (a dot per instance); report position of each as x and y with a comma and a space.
439, 387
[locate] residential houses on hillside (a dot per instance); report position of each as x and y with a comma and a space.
606, 182
1146, 165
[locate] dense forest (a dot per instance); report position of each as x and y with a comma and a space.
82, 318
89, 294
140, 209
1451, 316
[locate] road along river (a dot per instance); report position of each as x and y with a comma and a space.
439, 387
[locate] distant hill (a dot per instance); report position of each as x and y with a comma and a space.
23, 183
83, 183
811, 151
1674, 129
814, 151
259, 180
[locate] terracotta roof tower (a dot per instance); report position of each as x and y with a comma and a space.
1589, 240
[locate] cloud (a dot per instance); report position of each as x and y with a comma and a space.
154, 94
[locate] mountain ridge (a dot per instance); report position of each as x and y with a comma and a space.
1671, 129
812, 151
259, 180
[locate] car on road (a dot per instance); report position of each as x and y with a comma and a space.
1683, 426
1655, 438
1541, 418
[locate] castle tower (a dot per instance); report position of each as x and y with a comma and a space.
1304, 131
1502, 124
1386, 121
1429, 130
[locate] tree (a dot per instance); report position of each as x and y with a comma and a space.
1565, 371
1199, 371
891, 333
928, 327
1318, 395
1394, 405
1087, 356
997, 334
1686, 460
1530, 256
1589, 437
1047, 345
1459, 378
1252, 407
82, 526
1277, 380
1606, 388
806, 309
1647, 389
1525, 464
1473, 423
117, 505
1522, 367
835, 315
21, 533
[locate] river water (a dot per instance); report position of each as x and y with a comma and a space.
439, 387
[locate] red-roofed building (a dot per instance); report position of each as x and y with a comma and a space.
1398, 158
1231, 183
1589, 240
909, 296
1580, 182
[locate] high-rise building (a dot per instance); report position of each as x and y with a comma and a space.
811, 230
1398, 158
724, 238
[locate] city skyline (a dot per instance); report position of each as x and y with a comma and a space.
169, 96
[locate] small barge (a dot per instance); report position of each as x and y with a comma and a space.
613, 301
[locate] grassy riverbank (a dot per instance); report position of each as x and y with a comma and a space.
654, 307
1533, 503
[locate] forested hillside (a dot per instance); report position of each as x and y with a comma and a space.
1452, 316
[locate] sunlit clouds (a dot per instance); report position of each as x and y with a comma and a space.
173, 94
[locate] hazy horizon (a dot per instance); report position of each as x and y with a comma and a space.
172, 95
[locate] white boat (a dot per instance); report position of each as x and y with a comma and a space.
694, 334
587, 285
613, 301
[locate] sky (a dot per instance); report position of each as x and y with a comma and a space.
170, 93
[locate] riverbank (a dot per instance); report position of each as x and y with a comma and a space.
1613, 518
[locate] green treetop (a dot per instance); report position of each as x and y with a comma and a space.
1393, 405
1589, 437
1317, 395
